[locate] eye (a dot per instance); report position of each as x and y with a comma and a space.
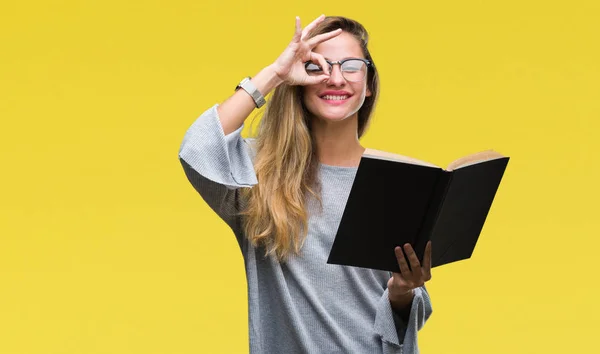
313, 68
353, 65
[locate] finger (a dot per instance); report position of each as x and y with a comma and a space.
404, 270
312, 25
427, 261
312, 80
322, 62
298, 31
427, 257
323, 37
415, 265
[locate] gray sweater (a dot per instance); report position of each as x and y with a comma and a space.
303, 305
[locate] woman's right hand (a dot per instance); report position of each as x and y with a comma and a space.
289, 67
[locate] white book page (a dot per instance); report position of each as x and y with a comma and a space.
383, 155
474, 159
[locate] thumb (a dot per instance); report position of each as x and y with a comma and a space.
394, 278
396, 275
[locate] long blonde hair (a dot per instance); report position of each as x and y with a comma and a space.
286, 163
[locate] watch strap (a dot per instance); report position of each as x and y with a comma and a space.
248, 86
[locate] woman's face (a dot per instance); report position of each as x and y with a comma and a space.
337, 98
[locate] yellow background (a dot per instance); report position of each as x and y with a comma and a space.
106, 248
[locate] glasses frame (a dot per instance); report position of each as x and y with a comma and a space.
340, 62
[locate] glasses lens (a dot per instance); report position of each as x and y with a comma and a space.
313, 69
354, 70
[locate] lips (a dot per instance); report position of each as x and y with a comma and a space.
335, 97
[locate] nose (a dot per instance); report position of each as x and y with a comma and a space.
336, 78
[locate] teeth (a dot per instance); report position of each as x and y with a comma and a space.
335, 98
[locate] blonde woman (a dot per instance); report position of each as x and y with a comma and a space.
283, 194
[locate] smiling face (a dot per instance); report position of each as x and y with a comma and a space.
337, 99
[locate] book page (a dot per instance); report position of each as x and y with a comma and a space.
383, 155
474, 159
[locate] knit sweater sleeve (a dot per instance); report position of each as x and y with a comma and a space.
217, 166
399, 336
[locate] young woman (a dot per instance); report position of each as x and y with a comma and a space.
283, 195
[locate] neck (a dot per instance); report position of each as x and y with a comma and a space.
337, 142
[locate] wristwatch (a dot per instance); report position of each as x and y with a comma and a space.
249, 87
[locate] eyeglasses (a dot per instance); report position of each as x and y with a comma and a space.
353, 69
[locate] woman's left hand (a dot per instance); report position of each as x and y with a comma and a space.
401, 285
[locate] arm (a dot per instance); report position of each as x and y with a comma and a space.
405, 305
402, 304
217, 166
214, 156
398, 334
234, 111
216, 160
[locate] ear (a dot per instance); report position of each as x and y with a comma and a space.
368, 93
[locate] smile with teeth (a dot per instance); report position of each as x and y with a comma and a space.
335, 98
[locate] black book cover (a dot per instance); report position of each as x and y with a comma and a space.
392, 203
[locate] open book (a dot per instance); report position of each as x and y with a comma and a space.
397, 199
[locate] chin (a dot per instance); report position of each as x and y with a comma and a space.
333, 113
333, 116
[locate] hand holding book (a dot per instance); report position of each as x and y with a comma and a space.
410, 277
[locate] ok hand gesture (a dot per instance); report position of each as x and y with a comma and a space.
289, 67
